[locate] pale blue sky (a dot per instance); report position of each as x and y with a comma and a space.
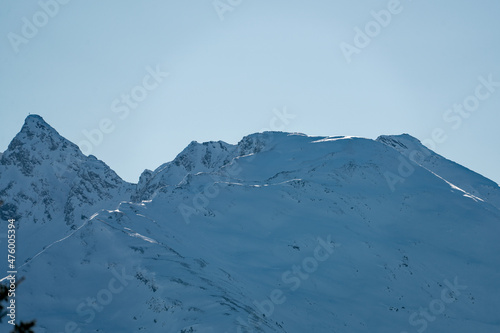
227, 76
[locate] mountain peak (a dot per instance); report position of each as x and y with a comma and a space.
36, 131
36, 125
35, 118
36, 141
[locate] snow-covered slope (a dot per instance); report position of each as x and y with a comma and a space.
279, 233
50, 187
457, 174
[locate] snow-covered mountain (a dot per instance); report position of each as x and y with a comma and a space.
281, 232
51, 188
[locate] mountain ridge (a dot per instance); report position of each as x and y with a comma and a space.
281, 232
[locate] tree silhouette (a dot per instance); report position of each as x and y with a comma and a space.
4, 297
18, 328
